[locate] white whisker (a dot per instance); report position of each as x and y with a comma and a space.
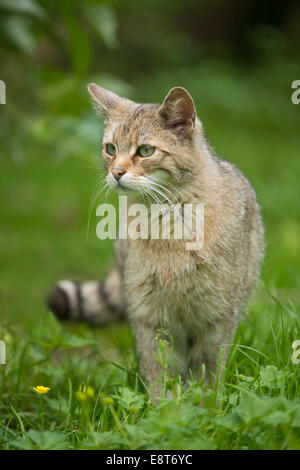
163, 182
164, 189
96, 195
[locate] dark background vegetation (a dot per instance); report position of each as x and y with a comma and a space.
238, 59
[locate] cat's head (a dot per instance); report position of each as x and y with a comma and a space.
145, 145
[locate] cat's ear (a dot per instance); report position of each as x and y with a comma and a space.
105, 101
178, 110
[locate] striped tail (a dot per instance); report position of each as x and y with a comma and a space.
95, 302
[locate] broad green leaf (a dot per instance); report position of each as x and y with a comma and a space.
18, 30
271, 377
103, 19
278, 417
30, 7
296, 419
46, 440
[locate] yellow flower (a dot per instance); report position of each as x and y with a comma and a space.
81, 397
90, 392
132, 409
41, 389
108, 401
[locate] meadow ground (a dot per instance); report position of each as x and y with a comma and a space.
97, 398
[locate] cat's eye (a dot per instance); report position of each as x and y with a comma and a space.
145, 150
110, 149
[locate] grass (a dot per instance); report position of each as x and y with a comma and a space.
98, 399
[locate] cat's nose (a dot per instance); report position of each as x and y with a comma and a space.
118, 171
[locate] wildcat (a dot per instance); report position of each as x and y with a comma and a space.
199, 294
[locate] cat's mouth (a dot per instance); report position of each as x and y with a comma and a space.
121, 188
125, 185
150, 185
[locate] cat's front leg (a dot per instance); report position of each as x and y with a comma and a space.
146, 335
211, 347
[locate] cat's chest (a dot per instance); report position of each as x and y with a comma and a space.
164, 266
166, 281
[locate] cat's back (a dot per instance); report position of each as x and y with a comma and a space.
240, 214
